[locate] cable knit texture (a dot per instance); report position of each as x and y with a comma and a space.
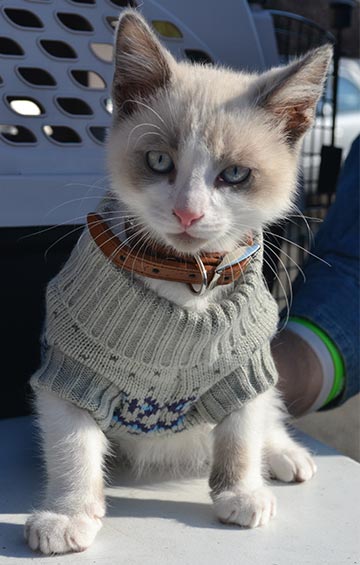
142, 364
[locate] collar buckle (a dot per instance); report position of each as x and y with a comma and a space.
233, 258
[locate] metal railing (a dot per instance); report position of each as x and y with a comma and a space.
296, 35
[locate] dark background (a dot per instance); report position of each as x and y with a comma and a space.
320, 12
26, 269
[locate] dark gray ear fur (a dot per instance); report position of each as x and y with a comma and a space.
141, 63
292, 92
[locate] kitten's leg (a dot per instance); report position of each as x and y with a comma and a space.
237, 486
285, 459
74, 448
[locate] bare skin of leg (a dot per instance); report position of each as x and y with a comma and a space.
300, 372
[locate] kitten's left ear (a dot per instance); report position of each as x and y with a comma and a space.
292, 92
142, 64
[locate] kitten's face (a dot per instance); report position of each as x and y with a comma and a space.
197, 154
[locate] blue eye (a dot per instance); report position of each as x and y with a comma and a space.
159, 161
235, 174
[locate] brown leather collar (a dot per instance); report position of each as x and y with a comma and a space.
159, 263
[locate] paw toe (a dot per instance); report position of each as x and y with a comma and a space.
292, 465
245, 508
50, 533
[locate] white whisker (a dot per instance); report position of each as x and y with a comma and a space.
273, 270
147, 107
139, 126
144, 134
300, 247
280, 250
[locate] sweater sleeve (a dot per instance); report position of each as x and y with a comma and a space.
240, 386
77, 383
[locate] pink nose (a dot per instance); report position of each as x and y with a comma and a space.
187, 217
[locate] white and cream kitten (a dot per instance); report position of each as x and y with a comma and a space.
199, 156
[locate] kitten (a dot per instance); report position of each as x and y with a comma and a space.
199, 156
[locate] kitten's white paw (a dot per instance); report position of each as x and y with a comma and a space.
245, 508
290, 465
58, 533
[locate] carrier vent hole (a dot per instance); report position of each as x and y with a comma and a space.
17, 134
167, 29
25, 106
36, 76
23, 18
91, 2
10, 47
198, 56
103, 51
124, 3
75, 22
98, 133
61, 134
74, 106
58, 49
112, 21
89, 79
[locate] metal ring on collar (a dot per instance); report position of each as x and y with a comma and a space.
204, 282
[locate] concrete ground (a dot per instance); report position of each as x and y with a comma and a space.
338, 428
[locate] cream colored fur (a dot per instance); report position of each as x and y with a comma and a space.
207, 119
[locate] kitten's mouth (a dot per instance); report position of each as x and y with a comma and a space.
185, 242
186, 237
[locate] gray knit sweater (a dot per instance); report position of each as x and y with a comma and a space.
138, 362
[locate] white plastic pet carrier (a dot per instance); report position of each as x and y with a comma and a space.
55, 76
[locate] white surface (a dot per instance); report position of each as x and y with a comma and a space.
172, 522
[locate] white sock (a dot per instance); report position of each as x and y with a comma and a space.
324, 357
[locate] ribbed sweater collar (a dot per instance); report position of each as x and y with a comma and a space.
117, 317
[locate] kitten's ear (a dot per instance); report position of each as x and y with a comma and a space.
142, 65
291, 93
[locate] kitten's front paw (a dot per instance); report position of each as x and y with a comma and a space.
49, 532
245, 508
292, 465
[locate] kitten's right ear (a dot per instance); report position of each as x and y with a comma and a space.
142, 65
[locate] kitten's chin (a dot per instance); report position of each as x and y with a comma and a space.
185, 243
